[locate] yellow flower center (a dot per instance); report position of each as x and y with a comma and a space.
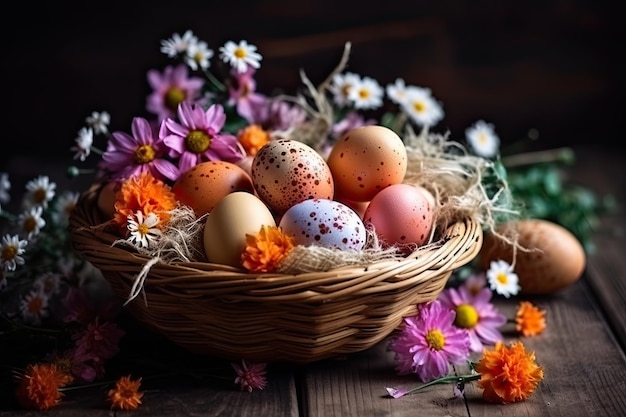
419, 107
197, 141
143, 229
482, 138
144, 154
435, 339
364, 94
173, 97
466, 316
240, 53
502, 277
9, 252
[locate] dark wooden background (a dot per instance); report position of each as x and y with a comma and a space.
553, 66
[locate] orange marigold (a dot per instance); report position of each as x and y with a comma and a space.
146, 193
38, 387
126, 394
252, 138
508, 374
529, 319
265, 250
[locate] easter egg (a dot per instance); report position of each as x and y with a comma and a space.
401, 215
208, 182
286, 172
237, 214
365, 160
324, 222
549, 259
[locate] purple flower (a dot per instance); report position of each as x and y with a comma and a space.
251, 105
250, 376
197, 136
476, 314
129, 155
170, 88
429, 342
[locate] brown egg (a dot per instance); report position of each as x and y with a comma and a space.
551, 260
206, 183
106, 199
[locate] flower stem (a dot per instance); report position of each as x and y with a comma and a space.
217, 83
443, 380
564, 154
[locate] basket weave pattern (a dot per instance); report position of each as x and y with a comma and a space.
222, 311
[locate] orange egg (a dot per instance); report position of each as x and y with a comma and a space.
206, 183
365, 160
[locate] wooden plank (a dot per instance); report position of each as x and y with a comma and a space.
583, 365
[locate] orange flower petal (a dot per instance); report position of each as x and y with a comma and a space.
265, 250
529, 319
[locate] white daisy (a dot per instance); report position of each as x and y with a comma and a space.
483, 139
177, 44
143, 231
64, 206
502, 279
83, 141
40, 191
341, 86
367, 94
240, 56
99, 122
397, 91
34, 307
48, 283
31, 221
198, 56
11, 252
421, 107
5, 187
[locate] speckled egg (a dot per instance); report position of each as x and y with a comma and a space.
286, 172
365, 160
324, 222
207, 182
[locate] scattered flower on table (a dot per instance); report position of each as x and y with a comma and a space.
125, 395
39, 386
250, 376
502, 279
530, 320
506, 374
429, 342
476, 314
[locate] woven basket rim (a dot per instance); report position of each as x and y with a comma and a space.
340, 311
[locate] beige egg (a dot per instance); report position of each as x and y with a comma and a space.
552, 259
235, 215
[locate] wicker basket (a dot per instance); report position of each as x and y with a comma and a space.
219, 310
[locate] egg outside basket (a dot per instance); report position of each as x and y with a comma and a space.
221, 311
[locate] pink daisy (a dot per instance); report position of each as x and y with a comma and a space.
250, 105
429, 342
250, 376
475, 313
170, 88
129, 155
197, 136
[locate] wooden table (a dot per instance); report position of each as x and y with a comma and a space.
582, 352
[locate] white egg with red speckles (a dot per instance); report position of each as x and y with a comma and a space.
324, 222
286, 172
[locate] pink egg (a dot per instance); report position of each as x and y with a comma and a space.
401, 215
